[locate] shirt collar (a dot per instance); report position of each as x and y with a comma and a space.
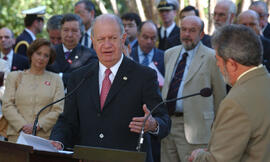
140, 52
244, 73
65, 49
168, 29
113, 69
9, 55
31, 33
88, 32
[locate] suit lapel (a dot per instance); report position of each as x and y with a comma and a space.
195, 63
120, 80
173, 62
136, 55
93, 82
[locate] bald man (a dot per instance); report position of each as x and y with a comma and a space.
146, 52
189, 68
15, 61
224, 13
262, 9
109, 108
251, 19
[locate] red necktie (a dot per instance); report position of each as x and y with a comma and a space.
106, 85
5, 57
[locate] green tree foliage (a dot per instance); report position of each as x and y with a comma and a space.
11, 11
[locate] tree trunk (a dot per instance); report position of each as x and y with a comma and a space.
140, 9
114, 6
101, 7
131, 6
211, 7
200, 6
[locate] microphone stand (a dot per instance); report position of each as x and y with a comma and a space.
34, 132
140, 141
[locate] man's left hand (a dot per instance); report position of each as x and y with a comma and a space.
137, 122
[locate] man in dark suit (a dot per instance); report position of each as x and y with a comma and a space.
86, 10
33, 22
168, 33
145, 52
262, 9
71, 54
15, 61
251, 19
109, 108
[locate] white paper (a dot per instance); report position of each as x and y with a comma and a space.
159, 75
38, 143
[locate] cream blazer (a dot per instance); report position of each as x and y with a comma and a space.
203, 72
21, 103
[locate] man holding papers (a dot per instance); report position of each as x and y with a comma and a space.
109, 108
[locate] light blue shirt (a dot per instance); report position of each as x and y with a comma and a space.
191, 53
133, 43
150, 55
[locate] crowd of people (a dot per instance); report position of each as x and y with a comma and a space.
119, 68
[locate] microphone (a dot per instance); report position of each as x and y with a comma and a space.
205, 92
34, 132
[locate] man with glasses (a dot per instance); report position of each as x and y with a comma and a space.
261, 8
131, 21
224, 13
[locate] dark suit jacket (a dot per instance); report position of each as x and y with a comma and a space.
110, 128
266, 52
19, 62
266, 32
158, 58
171, 41
24, 36
206, 40
80, 56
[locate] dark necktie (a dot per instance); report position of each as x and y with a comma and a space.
106, 85
67, 54
175, 83
145, 60
165, 34
86, 40
5, 58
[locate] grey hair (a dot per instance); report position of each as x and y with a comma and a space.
260, 3
54, 22
239, 43
111, 16
232, 6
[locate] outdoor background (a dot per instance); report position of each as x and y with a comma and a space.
11, 10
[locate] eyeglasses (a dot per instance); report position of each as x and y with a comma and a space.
262, 15
222, 15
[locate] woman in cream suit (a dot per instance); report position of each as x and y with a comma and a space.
28, 91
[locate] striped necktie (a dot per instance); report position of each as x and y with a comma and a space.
175, 83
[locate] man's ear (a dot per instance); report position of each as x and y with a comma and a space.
201, 35
232, 65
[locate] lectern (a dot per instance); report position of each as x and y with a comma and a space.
98, 154
11, 152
